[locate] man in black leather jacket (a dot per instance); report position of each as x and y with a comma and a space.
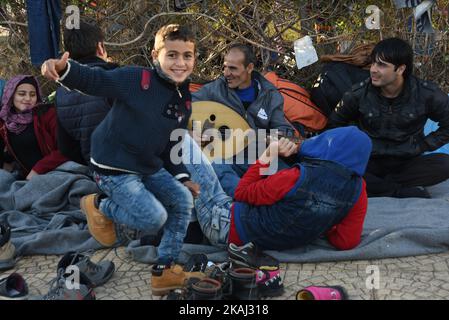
392, 107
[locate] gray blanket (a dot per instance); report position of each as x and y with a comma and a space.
393, 228
44, 213
45, 218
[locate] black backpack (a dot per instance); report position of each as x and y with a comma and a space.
335, 79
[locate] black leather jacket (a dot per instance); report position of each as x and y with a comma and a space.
396, 126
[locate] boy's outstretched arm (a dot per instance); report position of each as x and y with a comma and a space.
114, 84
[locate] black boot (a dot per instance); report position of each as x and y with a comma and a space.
241, 284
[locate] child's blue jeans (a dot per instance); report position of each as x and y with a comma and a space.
149, 203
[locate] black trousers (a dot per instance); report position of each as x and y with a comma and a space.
384, 176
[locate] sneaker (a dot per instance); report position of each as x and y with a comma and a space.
269, 282
322, 293
170, 278
241, 284
60, 291
100, 227
97, 273
7, 249
249, 256
13, 287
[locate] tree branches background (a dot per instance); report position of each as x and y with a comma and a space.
270, 26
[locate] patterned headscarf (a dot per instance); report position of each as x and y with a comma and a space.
16, 122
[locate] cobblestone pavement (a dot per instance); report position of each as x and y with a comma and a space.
421, 277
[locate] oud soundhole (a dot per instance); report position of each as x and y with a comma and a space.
225, 132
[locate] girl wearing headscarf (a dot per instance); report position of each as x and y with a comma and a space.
28, 128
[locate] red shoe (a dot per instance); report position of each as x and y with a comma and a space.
322, 293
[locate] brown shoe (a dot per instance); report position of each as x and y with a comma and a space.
100, 227
162, 281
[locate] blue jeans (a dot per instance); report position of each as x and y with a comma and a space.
148, 203
213, 205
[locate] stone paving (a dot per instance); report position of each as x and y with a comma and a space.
409, 278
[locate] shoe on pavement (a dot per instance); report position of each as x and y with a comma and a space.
269, 282
63, 288
98, 273
241, 284
13, 287
322, 293
163, 280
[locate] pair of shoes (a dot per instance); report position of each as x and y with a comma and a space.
13, 287
249, 256
163, 280
269, 282
97, 273
322, 293
100, 227
64, 288
7, 249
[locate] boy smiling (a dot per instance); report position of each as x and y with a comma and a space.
130, 151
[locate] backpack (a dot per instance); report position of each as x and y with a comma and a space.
299, 109
194, 87
335, 79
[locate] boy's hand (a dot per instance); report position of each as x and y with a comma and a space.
193, 187
50, 69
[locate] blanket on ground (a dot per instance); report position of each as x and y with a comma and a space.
45, 219
393, 228
44, 212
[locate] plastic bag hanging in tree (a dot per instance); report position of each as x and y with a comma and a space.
305, 53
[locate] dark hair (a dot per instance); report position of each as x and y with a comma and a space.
172, 32
247, 51
395, 51
82, 42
